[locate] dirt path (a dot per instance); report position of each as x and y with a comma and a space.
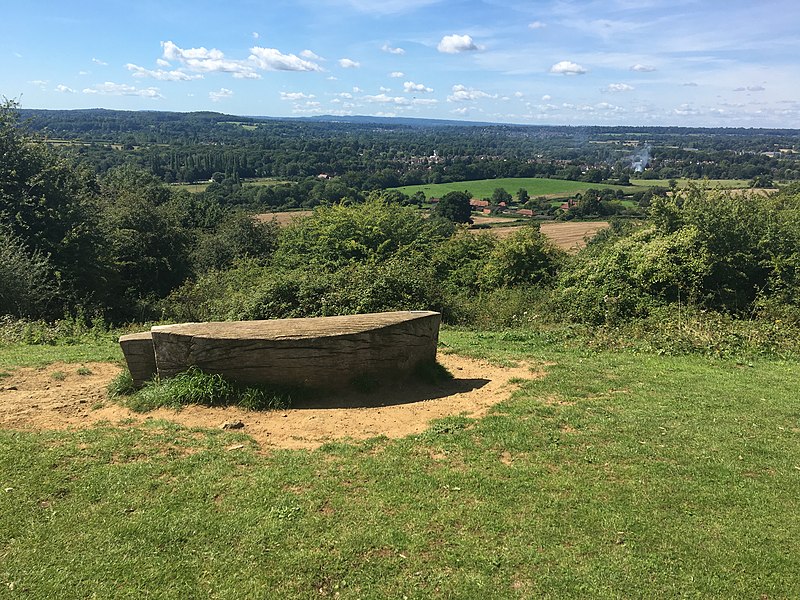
58, 397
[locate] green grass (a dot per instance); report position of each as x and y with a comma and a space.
703, 183
484, 188
196, 188
618, 474
36, 355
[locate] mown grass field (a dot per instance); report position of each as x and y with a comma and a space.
618, 474
483, 188
538, 186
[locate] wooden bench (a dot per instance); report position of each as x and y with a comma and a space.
323, 352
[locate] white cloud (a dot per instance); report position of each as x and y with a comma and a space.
519, 95
639, 68
357, 90
310, 55
97, 61
63, 89
347, 95
459, 111
347, 63
536, 25
618, 87
163, 63
202, 60
689, 84
410, 87
271, 59
424, 101
390, 50
462, 93
255, 35
397, 74
122, 89
17, 54
294, 96
384, 99
750, 88
220, 94
384, 89
83, 72
453, 44
160, 74
566, 67
547, 98
42, 83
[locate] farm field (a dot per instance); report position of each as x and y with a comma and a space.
591, 474
538, 186
282, 217
203, 186
568, 236
483, 188
703, 183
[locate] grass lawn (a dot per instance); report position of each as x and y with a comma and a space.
483, 188
616, 475
196, 188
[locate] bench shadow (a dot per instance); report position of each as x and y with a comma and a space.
392, 394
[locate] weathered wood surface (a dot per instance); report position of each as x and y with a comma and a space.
140, 356
325, 352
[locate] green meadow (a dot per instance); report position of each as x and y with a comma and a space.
617, 474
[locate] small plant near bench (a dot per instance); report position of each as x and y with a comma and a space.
196, 387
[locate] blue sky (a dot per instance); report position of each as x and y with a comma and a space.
648, 62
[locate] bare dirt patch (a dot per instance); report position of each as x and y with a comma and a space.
282, 218
33, 399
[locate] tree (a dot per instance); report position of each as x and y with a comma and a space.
48, 205
455, 206
500, 195
522, 196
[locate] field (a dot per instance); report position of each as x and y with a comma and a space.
590, 474
556, 188
203, 186
703, 183
483, 188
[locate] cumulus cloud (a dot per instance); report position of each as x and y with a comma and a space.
519, 95
310, 55
347, 63
202, 60
357, 90
462, 93
163, 63
639, 68
390, 50
42, 83
255, 35
459, 111
536, 25
220, 94
63, 89
385, 99
618, 87
547, 98
453, 44
750, 88
294, 96
97, 61
347, 95
410, 87
271, 59
566, 67
384, 89
160, 74
397, 74
122, 89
